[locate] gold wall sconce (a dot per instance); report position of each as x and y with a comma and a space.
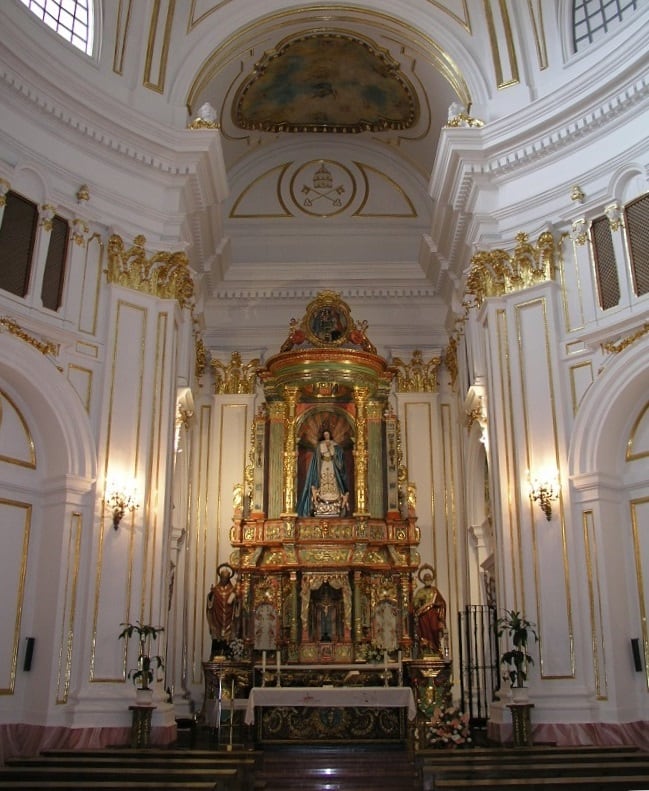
544, 489
120, 499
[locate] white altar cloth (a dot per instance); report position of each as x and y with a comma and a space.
338, 697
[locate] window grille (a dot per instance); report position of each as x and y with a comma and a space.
17, 238
71, 19
52, 290
608, 284
636, 216
593, 19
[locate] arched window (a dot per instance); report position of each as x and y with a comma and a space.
71, 19
593, 19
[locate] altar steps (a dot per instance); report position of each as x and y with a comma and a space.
594, 768
126, 769
338, 769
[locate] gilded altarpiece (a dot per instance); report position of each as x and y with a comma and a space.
325, 540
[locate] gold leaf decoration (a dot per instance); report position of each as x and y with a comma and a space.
496, 272
165, 275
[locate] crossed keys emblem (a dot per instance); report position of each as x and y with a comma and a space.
312, 194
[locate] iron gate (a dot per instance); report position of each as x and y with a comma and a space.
479, 673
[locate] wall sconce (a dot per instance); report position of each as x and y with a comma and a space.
120, 499
544, 489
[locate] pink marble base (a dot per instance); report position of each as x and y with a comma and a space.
579, 733
24, 741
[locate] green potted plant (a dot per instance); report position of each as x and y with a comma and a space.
144, 673
520, 632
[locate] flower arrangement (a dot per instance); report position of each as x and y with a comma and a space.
374, 653
449, 727
236, 648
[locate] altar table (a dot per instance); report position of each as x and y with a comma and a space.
330, 714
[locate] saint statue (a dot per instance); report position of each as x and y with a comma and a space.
222, 609
430, 613
325, 491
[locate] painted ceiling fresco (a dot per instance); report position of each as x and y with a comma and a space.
326, 82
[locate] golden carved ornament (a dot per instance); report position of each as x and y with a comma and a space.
497, 272
416, 376
5, 186
579, 232
615, 216
201, 357
620, 346
474, 415
47, 216
201, 123
80, 232
165, 275
450, 360
44, 347
577, 194
235, 376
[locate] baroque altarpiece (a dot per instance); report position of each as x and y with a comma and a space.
324, 535
325, 566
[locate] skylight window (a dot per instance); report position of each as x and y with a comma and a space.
71, 19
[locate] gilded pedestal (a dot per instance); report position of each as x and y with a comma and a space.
430, 679
521, 723
141, 725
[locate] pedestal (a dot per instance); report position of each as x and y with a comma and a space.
430, 680
141, 725
521, 722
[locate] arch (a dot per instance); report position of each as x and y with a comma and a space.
607, 412
454, 60
56, 414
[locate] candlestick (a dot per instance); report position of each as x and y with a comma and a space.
263, 668
278, 657
231, 716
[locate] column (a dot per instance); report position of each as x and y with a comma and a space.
290, 454
360, 451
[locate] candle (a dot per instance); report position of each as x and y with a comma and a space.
385, 660
278, 657
263, 668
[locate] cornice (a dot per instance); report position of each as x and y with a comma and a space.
273, 293
117, 129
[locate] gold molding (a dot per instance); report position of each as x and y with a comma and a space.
44, 347
620, 346
164, 275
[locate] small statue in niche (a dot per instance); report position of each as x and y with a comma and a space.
325, 492
430, 613
326, 615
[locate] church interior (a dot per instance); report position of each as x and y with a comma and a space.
324, 372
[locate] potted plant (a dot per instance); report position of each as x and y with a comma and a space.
144, 673
520, 632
